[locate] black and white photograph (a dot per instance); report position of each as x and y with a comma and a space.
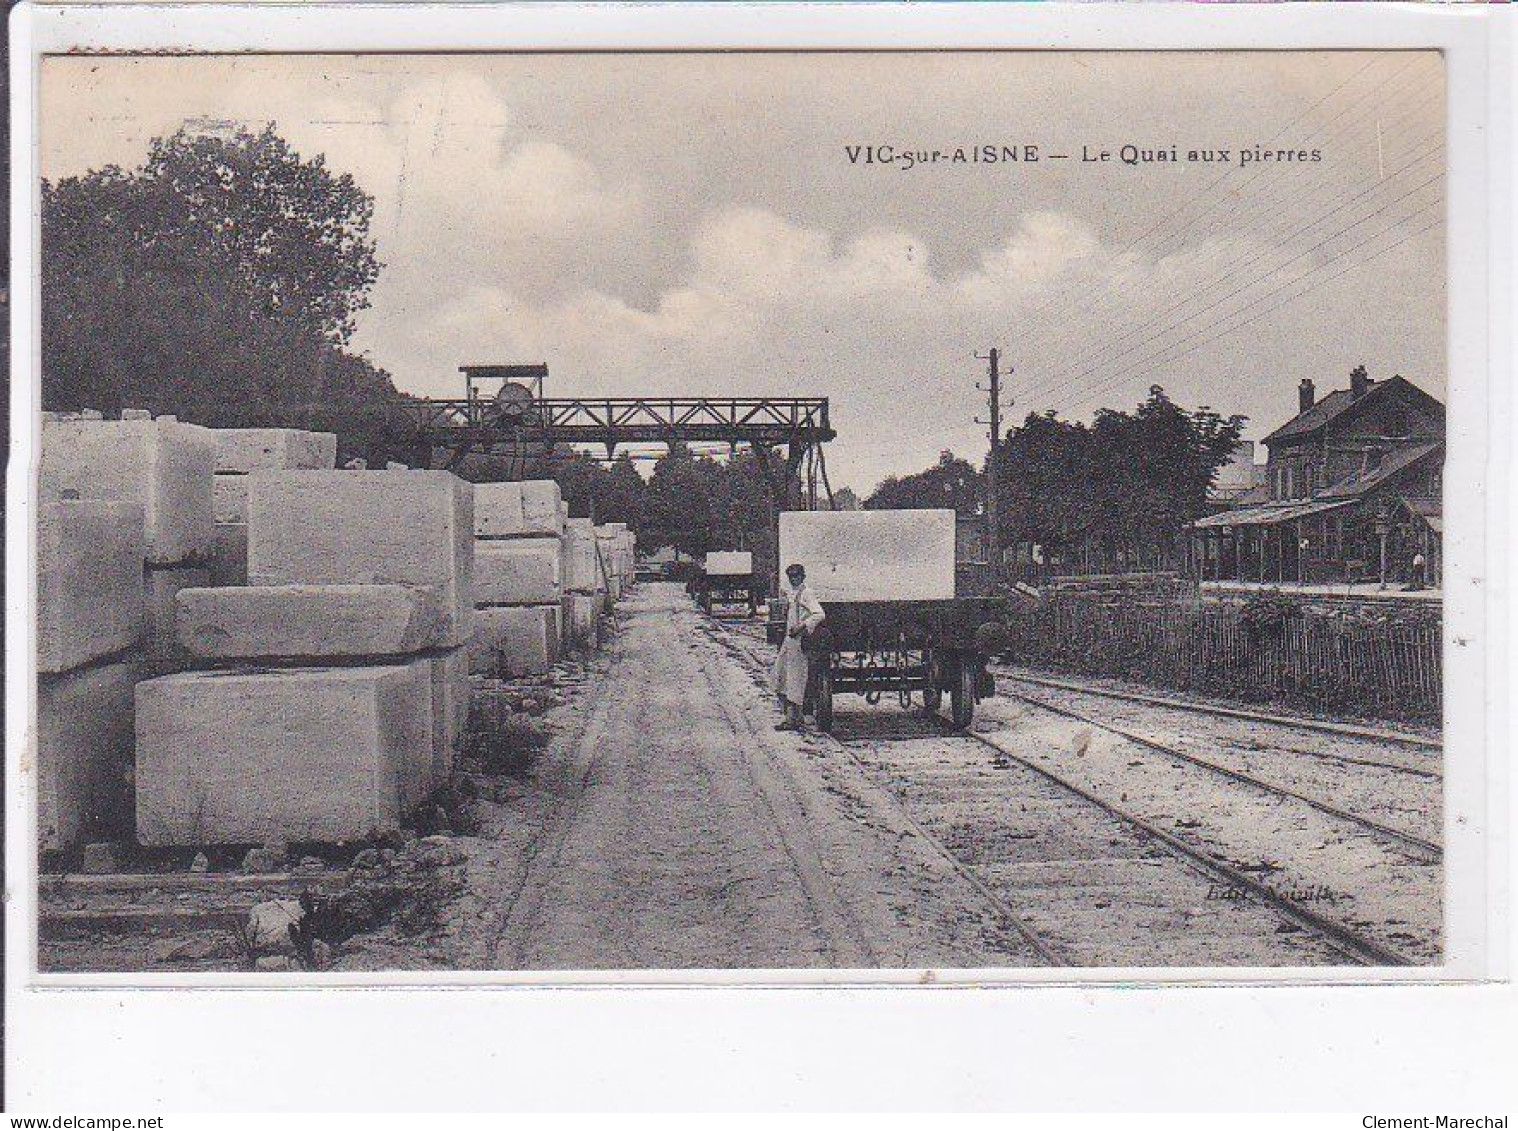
515, 512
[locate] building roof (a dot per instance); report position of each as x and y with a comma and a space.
1396, 460
1268, 515
1319, 414
1338, 402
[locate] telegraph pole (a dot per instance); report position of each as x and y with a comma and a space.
993, 479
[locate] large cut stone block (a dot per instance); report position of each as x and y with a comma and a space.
729, 563
161, 588
305, 754
450, 710
311, 621
229, 498
229, 564
365, 528
515, 510
84, 750
164, 467
89, 582
518, 571
274, 449
515, 642
905, 555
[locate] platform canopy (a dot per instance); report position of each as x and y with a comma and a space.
1267, 516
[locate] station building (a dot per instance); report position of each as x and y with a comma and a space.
1352, 494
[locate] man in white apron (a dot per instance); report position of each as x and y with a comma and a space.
803, 613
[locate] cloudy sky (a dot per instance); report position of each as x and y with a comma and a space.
670, 224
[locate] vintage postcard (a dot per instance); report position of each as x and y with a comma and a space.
892, 496
513, 513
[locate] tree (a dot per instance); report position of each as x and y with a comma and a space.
844, 499
1131, 480
951, 482
219, 281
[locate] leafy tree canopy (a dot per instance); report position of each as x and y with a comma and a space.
1136, 476
219, 281
951, 482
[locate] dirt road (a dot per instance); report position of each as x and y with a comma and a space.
670, 826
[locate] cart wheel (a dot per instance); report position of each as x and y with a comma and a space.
932, 695
962, 695
825, 698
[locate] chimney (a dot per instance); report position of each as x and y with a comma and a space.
1306, 394
1359, 382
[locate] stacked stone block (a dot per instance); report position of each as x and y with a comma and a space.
334, 688
584, 584
165, 468
239, 452
519, 578
90, 628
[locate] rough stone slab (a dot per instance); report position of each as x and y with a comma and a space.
729, 563
517, 510
163, 467
450, 710
311, 621
161, 588
84, 750
419, 779
583, 619
306, 754
903, 555
229, 563
229, 498
518, 571
543, 510
582, 573
515, 642
89, 582
274, 449
365, 528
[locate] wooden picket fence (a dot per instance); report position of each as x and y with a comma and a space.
1365, 667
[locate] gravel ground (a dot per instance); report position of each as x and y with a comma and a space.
668, 825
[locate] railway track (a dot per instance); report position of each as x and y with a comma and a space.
1344, 941
1217, 711
1353, 944
1434, 852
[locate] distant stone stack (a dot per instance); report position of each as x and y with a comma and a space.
519, 578
333, 691
240, 451
615, 545
584, 583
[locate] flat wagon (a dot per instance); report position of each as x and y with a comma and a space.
728, 581
894, 625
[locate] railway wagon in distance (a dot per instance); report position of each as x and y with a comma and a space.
728, 579
894, 624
